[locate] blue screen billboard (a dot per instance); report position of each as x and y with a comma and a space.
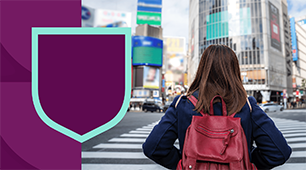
293, 40
147, 51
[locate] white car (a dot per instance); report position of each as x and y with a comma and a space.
269, 107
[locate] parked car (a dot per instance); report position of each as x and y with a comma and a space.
151, 106
167, 105
268, 107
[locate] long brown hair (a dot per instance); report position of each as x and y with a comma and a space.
219, 74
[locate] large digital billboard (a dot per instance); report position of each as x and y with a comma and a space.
151, 77
228, 23
274, 27
293, 40
147, 51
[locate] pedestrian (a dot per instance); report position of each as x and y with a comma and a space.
218, 74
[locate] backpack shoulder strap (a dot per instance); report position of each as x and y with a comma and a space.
178, 100
249, 104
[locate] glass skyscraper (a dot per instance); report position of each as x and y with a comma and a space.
257, 30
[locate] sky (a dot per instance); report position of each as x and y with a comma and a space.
175, 13
296, 8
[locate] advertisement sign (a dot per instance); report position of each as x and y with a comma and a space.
149, 12
147, 51
229, 23
151, 77
274, 27
141, 93
293, 40
105, 18
88, 15
150, 18
149, 5
175, 45
155, 93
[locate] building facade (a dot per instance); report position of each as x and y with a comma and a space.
259, 33
298, 37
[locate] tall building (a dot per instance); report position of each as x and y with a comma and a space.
298, 39
259, 33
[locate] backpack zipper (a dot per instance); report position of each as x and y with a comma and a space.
217, 133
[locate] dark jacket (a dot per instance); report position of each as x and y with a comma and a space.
271, 147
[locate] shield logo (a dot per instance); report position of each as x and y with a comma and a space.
81, 78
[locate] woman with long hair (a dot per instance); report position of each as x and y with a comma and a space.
218, 73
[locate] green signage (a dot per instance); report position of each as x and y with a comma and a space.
151, 18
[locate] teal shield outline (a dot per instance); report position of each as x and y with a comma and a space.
81, 31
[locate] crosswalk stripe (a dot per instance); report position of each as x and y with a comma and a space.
117, 155
296, 111
298, 139
293, 131
119, 146
291, 124
297, 145
133, 135
127, 140
296, 154
297, 166
294, 135
285, 129
142, 129
134, 131
121, 167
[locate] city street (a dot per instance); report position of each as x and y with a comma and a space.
120, 147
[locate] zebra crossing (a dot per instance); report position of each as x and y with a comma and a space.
295, 133
125, 151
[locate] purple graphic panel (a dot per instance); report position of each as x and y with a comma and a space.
29, 137
26, 141
81, 79
17, 18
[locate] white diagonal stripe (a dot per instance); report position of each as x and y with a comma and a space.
297, 145
133, 135
293, 131
285, 129
118, 155
119, 146
142, 129
134, 131
294, 135
298, 139
298, 154
296, 166
127, 140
